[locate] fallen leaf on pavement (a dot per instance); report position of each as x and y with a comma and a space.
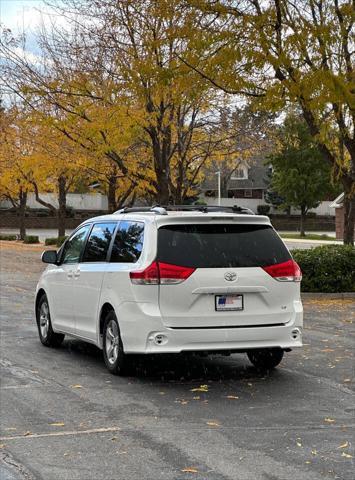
299, 444
329, 420
189, 470
213, 424
232, 397
27, 433
76, 386
344, 445
346, 455
201, 388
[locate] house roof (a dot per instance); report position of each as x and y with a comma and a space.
257, 179
338, 202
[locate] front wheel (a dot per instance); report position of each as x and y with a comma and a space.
46, 334
114, 356
266, 358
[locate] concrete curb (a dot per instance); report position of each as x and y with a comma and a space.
329, 296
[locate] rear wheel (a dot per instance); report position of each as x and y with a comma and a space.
46, 334
265, 359
114, 356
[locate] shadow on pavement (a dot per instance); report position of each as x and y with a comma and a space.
174, 367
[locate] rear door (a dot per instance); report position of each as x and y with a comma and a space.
228, 286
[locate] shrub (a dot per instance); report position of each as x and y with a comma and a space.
329, 268
31, 239
51, 241
263, 209
8, 237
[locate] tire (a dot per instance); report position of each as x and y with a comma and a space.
265, 359
114, 356
45, 331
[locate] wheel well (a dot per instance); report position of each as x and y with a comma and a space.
39, 295
106, 308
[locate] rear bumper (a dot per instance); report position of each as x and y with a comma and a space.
241, 339
148, 335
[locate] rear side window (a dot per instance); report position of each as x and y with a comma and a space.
217, 246
128, 243
99, 242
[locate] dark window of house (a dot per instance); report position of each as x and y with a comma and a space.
99, 242
128, 243
220, 246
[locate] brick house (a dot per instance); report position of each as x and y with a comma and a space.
339, 216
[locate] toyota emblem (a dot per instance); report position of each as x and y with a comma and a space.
230, 276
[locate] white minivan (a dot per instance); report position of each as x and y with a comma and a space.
175, 279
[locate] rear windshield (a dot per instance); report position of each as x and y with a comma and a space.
214, 246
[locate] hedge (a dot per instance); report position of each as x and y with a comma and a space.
8, 237
328, 268
31, 239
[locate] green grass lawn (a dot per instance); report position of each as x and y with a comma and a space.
310, 236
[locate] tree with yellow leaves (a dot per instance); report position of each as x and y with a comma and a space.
15, 164
279, 52
115, 77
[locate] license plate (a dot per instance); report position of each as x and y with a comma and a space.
225, 303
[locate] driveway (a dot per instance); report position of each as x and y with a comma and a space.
63, 416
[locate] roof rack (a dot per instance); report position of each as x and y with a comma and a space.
164, 209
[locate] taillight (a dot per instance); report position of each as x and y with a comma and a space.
170, 274
161, 273
148, 276
285, 272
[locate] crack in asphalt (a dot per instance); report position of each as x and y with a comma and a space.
9, 460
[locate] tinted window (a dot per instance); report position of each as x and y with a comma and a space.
99, 242
74, 246
209, 246
128, 243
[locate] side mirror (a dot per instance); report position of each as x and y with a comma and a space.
49, 256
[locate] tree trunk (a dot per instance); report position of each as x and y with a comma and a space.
349, 214
162, 188
111, 193
22, 211
303, 222
62, 205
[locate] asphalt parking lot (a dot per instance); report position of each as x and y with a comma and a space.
63, 416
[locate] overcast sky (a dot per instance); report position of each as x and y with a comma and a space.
19, 15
